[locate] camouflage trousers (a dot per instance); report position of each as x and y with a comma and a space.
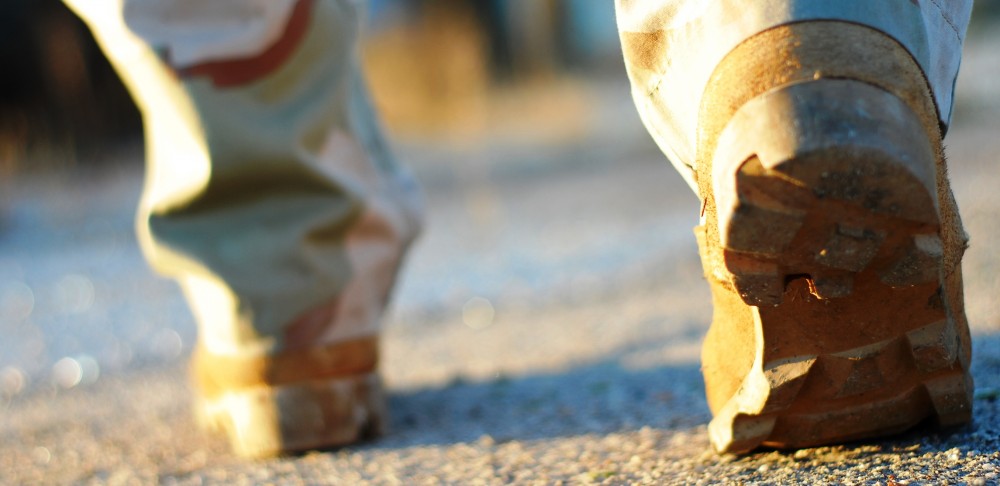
271, 196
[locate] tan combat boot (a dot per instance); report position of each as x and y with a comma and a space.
294, 401
831, 241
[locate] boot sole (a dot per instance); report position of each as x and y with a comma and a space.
829, 230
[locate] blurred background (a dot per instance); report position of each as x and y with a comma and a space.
62, 103
543, 188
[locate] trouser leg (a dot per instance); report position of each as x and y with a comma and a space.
672, 47
270, 196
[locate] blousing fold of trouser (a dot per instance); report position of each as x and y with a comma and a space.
270, 195
671, 48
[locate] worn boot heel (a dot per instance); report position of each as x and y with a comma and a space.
291, 402
268, 421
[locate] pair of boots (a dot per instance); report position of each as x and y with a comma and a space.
830, 239
829, 236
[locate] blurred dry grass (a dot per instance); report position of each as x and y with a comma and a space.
430, 79
430, 74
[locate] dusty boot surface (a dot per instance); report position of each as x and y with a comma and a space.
831, 241
291, 402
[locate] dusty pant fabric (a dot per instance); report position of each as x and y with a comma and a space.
270, 195
671, 48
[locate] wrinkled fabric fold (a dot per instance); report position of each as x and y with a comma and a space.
671, 48
273, 199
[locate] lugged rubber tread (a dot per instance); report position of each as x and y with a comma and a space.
813, 391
